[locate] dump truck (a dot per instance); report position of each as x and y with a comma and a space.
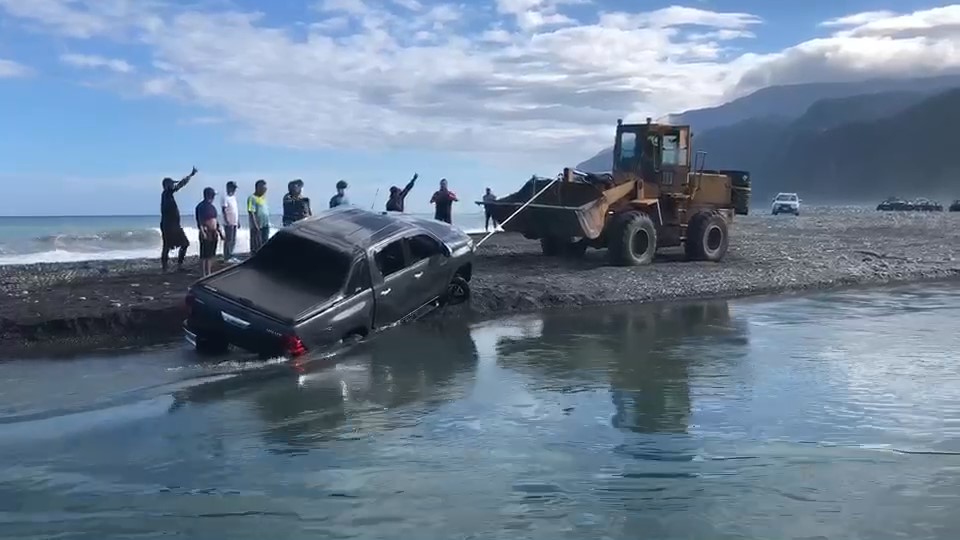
657, 195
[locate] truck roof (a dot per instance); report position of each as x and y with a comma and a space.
349, 228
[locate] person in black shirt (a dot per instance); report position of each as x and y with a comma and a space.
397, 195
443, 199
170, 230
295, 205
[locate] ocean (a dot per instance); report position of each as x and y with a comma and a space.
27, 240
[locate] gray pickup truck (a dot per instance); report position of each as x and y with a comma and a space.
342, 274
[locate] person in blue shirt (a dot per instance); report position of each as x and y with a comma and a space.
210, 232
340, 198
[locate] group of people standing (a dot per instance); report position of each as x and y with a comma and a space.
296, 207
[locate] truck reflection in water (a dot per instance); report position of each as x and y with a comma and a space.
642, 353
387, 383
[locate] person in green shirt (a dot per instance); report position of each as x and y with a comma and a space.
259, 212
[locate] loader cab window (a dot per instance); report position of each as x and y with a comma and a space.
652, 151
626, 160
671, 154
390, 259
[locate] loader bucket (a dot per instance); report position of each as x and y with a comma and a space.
565, 210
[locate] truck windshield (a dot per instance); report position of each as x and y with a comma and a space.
783, 197
303, 263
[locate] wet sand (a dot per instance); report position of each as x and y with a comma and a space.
73, 308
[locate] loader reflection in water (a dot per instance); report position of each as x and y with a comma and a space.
641, 352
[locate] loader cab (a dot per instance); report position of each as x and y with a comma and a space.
658, 153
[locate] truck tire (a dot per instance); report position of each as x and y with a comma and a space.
458, 292
634, 239
707, 237
212, 345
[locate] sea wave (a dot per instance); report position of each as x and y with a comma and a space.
105, 245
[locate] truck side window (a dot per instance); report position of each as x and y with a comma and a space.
360, 278
390, 259
423, 247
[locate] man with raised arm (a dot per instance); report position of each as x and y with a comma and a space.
171, 232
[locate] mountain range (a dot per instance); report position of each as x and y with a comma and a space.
833, 142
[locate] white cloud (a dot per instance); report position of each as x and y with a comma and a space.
685, 16
94, 62
10, 69
858, 19
867, 45
509, 75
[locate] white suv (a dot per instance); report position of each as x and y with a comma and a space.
786, 203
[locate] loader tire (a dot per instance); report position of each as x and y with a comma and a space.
551, 247
562, 247
707, 237
634, 239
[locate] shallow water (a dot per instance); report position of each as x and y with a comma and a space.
829, 416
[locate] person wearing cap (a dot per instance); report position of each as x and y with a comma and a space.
171, 233
397, 195
295, 205
210, 232
231, 221
340, 198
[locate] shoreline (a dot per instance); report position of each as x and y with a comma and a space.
65, 309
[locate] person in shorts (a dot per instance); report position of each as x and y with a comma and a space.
210, 231
171, 232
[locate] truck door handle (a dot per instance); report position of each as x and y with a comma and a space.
418, 275
385, 292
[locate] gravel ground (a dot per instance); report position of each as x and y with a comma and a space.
72, 308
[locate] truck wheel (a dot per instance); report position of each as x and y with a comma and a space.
458, 291
707, 237
212, 345
634, 240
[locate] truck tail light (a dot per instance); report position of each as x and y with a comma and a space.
293, 345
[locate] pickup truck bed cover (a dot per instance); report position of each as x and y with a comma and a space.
268, 292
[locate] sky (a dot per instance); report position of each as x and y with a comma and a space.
100, 99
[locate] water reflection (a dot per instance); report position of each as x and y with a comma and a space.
413, 370
644, 354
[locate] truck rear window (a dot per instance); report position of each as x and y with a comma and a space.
304, 263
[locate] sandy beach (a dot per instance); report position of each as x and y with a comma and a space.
64, 309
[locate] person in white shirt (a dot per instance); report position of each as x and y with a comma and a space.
231, 221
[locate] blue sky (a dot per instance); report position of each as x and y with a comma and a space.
102, 98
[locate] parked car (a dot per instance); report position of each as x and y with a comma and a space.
786, 203
919, 205
342, 274
894, 204
926, 205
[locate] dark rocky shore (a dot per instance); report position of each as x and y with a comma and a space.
72, 308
